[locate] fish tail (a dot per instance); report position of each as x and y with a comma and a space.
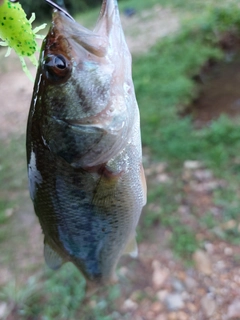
92, 287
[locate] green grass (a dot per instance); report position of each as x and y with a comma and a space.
184, 242
166, 199
164, 82
13, 178
62, 286
58, 295
164, 87
4, 218
13, 167
185, 6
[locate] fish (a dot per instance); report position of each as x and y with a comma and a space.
84, 153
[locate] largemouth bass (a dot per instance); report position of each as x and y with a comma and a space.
84, 152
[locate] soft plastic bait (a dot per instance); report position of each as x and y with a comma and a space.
16, 33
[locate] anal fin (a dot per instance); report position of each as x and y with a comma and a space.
144, 184
52, 258
132, 248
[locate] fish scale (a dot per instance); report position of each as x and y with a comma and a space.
84, 147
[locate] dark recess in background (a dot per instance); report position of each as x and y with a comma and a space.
43, 10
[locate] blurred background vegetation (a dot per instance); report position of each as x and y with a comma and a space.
169, 79
42, 8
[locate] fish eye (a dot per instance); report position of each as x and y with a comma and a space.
60, 62
57, 67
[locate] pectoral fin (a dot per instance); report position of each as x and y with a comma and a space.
132, 248
53, 259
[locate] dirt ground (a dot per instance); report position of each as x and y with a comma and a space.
170, 291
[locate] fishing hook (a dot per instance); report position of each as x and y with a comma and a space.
55, 6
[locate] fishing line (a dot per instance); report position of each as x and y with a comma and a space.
55, 6
61, 6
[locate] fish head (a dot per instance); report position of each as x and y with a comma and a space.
84, 84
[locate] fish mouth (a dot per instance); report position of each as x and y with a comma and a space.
106, 34
79, 36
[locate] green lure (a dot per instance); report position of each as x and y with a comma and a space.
17, 33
